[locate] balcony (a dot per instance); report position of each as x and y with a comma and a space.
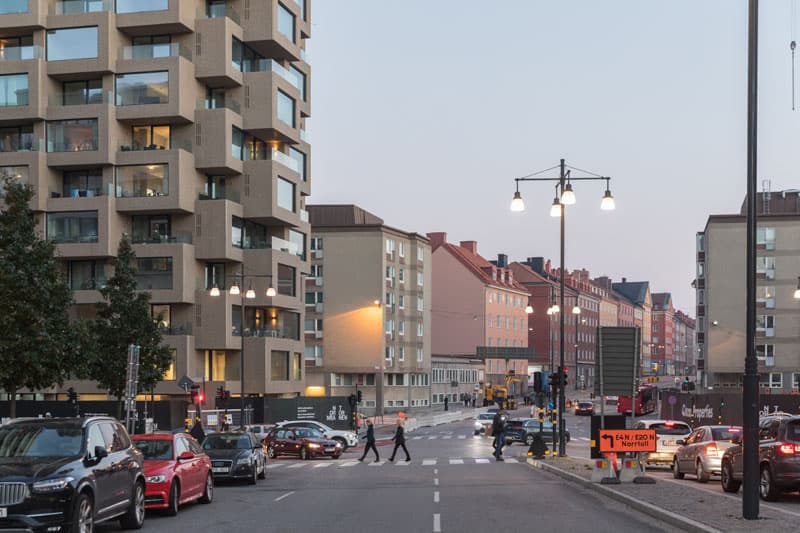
259, 372
261, 199
261, 104
73, 136
214, 53
78, 7
260, 25
31, 167
214, 139
26, 102
213, 235
67, 60
91, 228
175, 286
155, 17
213, 329
265, 261
22, 15
162, 181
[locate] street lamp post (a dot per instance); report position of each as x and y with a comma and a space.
564, 196
249, 294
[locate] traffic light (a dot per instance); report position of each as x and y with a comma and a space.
72, 396
352, 399
537, 382
564, 377
555, 378
358, 396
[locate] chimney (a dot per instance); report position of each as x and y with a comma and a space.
624, 280
536, 263
502, 261
437, 239
471, 246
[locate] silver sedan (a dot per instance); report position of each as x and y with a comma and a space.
701, 452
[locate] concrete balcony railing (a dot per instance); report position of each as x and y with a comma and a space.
158, 16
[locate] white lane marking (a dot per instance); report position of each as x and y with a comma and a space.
436, 482
432, 437
436, 496
584, 438
323, 465
437, 523
435, 470
403, 463
296, 465
276, 465
379, 463
462, 436
447, 437
481, 460
349, 463
511, 460
416, 438
279, 498
456, 461
428, 462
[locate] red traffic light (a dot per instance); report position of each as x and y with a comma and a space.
201, 398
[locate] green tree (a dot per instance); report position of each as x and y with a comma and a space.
123, 318
38, 346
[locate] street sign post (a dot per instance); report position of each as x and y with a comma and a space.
185, 383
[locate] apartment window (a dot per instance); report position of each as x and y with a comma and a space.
72, 227
215, 365
8, 7
401, 275
766, 265
514, 323
498, 322
79, 183
389, 353
150, 46
143, 88
701, 296
389, 327
17, 48
419, 279
286, 280
795, 380
82, 92
16, 139
401, 354
72, 43
401, 249
401, 327
316, 271
162, 313
244, 58
153, 273
301, 81
420, 306
491, 297
248, 234
401, 301
285, 22
489, 320
316, 243
766, 295
19, 174
420, 253
775, 380
279, 367
72, 135
138, 181
765, 352
314, 353
419, 329
286, 196
300, 158
237, 143
420, 355
390, 244
86, 275
765, 237
150, 228
396, 380
701, 271
314, 297
13, 90
766, 324
150, 138
298, 239
286, 108
137, 6
312, 325
215, 276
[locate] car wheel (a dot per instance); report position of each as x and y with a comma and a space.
700, 472
83, 515
252, 480
263, 473
728, 483
769, 491
208, 493
271, 453
303, 454
528, 439
172, 504
676, 471
341, 441
134, 518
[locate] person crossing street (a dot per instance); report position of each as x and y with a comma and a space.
399, 439
498, 430
370, 436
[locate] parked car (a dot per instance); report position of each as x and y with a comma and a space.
584, 408
259, 430
176, 469
524, 429
236, 455
701, 452
345, 438
778, 457
668, 433
304, 443
69, 474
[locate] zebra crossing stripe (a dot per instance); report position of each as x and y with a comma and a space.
403, 463
349, 463
462, 436
380, 463
511, 460
447, 437
323, 465
456, 461
296, 465
428, 462
481, 460
416, 438
274, 465
432, 437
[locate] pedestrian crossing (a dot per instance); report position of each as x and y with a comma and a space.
443, 437
434, 461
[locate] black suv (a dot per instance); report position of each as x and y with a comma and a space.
69, 473
524, 429
236, 455
778, 457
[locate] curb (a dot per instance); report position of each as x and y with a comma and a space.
644, 507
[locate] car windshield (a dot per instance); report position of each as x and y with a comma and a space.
725, 433
155, 449
585, 404
222, 441
39, 440
671, 428
485, 416
308, 433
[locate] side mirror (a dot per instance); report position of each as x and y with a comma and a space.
100, 452
185, 456
680, 442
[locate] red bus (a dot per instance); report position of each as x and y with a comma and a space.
646, 399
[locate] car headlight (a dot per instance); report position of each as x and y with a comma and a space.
338, 444
478, 425
156, 479
313, 445
52, 485
244, 460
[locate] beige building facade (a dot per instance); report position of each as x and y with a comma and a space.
368, 315
182, 125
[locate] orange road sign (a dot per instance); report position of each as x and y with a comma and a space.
627, 440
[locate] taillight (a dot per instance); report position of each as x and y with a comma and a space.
711, 450
789, 449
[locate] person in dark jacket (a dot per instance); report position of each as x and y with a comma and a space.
370, 436
399, 439
498, 430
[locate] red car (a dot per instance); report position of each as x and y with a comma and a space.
176, 470
304, 443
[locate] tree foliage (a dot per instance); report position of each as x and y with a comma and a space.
123, 318
38, 346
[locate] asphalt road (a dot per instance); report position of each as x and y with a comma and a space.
451, 484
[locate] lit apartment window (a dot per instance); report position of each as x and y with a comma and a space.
72, 43
13, 90
149, 138
286, 22
136, 181
142, 88
72, 135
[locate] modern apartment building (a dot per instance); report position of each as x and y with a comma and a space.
368, 310
182, 124
721, 295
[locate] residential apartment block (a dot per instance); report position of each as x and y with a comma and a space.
180, 123
721, 295
662, 340
368, 314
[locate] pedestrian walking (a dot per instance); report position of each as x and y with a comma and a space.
399, 439
498, 430
445, 402
474, 399
370, 436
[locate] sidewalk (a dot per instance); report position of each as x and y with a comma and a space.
673, 503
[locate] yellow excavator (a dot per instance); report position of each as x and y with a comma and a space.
503, 395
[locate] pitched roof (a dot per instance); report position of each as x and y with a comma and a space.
480, 267
661, 300
635, 291
341, 215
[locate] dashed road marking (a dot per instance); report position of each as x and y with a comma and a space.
279, 498
437, 523
436, 496
428, 462
456, 461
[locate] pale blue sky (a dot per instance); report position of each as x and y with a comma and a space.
424, 112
